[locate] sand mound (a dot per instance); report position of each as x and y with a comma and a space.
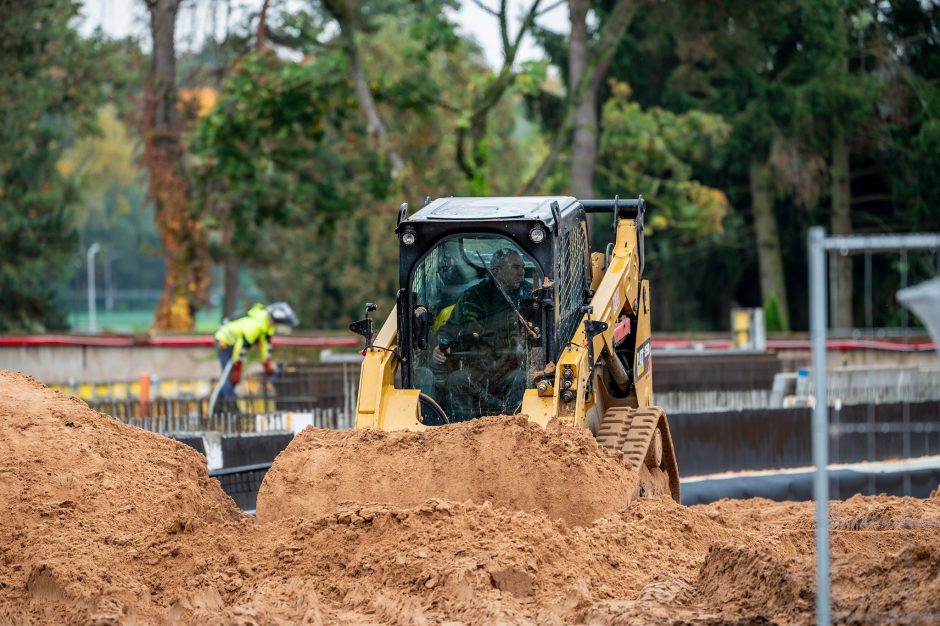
79, 491
508, 461
62, 460
105, 524
753, 581
477, 564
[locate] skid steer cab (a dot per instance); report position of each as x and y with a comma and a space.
503, 309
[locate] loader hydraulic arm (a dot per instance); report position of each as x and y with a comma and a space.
617, 292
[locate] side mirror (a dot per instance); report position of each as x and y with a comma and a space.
421, 326
364, 326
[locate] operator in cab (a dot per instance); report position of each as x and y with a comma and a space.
235, 338
479, 354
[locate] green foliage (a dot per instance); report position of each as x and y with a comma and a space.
257, 152
773, 320
912, 104
328, 268
531, 76
112, 207
286, 156
286, 159
50, 89
653, 151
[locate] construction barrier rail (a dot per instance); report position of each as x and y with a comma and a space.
176, 340
242, 483
249, 415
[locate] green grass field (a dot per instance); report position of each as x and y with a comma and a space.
135, 322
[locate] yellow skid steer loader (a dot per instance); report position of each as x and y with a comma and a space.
503, 309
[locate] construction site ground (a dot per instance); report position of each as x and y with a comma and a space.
103, 523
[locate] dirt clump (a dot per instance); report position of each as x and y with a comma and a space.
559, 471
101, 523
751, 580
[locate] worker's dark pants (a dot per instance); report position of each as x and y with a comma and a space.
227, 396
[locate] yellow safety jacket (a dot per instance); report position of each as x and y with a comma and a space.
243, 333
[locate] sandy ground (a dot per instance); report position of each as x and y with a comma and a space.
102, 523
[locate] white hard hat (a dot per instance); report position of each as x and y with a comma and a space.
281, 313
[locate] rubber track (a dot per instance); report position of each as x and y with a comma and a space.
629, 431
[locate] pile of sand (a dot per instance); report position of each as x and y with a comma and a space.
560, 472
82, 495
105, 524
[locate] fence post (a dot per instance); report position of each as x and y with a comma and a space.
817, 322
144, 395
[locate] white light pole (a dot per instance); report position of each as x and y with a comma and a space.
90, 257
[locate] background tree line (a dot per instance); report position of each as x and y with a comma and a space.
285, 145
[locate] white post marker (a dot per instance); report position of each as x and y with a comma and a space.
90, 257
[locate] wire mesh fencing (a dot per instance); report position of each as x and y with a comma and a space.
321, 395
896, 445
899, 532
892, 449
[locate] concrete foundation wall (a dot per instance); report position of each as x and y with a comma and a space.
60, 364
792, 360
769, 439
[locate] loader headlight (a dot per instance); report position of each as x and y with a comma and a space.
537, 235
408, 237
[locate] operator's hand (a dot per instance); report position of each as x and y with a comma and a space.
439, 356
269, 368
235, 375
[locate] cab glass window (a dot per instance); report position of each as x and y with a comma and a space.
484, 336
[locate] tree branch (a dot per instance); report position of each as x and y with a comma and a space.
504, 28
611, 35
872, 198
493, 93
527, 23
551, 7
461, 153
597, 65
346, 17
485, 8
262, 25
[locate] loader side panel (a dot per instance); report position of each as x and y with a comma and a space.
377, 375
643, 360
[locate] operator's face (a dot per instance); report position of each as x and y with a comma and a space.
511, 272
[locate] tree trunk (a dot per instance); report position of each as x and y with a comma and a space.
584, 139
840, 291
345, 12
374, 123
185, 249
597, 62
262, 26
230, 270
772, 284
